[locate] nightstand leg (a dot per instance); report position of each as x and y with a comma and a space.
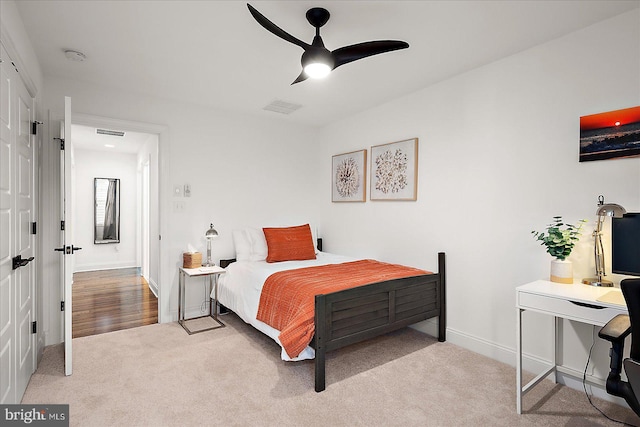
180, 297
215, 294
211, 300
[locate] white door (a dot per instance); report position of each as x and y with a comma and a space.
67, 248
17, 274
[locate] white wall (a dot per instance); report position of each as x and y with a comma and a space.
498, 158
100, 164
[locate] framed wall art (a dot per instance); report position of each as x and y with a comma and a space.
610, 135
349, 177
394, 171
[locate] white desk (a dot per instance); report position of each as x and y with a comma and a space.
212, 273
582, 303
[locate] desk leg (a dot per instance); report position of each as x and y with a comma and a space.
519, 361
557, 322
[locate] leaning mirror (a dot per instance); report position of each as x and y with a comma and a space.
107, 210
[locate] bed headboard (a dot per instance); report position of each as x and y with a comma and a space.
224, 263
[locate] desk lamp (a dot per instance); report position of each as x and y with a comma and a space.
604, 210
210, 235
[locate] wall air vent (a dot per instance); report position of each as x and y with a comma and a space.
109, 132
282, 107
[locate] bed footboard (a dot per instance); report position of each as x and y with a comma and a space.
361, 313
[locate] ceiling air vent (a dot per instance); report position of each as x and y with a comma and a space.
282, 107
109, 132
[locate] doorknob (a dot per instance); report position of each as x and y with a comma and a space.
19, 262
68, 250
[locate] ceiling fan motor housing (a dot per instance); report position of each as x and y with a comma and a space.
317, 54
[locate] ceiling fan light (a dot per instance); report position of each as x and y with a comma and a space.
317, 70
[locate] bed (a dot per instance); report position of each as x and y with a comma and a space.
339, 318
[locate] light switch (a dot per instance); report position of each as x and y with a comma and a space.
187, 190
177, 191
178, 206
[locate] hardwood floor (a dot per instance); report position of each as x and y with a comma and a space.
111, 300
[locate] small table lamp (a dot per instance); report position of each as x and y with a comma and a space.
604, 210
210, 235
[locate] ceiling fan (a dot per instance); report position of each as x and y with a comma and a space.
317, 60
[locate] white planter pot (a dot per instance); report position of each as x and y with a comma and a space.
561, 271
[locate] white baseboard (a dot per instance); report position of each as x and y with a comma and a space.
153, 286
79, 268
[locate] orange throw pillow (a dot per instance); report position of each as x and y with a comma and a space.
289, 244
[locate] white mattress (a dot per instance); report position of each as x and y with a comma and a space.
240, 287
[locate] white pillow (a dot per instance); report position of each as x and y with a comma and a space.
242, 243
259, 248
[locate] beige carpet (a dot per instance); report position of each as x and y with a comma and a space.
158, 375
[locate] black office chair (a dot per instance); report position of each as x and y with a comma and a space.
616, 331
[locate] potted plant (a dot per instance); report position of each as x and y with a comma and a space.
560, 239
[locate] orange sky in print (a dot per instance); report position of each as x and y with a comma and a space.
610, 119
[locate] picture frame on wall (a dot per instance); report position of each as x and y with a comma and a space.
610, 135
394, 171
349, 177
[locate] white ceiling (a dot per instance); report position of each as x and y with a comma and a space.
86, 138
214, 53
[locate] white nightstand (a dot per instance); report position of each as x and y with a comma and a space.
212, 273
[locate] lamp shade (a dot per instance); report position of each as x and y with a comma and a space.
211, 233
611, 209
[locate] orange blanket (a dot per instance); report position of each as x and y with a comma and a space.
287, 302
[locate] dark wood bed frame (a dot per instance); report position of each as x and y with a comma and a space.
358, 314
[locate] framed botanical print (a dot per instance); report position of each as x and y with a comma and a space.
349, 177
394, 171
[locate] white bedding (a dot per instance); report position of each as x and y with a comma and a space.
240, 287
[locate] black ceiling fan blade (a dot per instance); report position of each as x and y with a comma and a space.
302, 77
347, 54
270, 26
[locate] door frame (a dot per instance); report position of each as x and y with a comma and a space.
163, 164
145, 231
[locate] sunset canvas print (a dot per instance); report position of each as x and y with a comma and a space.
610, 135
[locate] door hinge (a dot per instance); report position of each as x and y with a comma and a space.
33, 228
34, 127
34, 327
62, 225
61, 143
61, 305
